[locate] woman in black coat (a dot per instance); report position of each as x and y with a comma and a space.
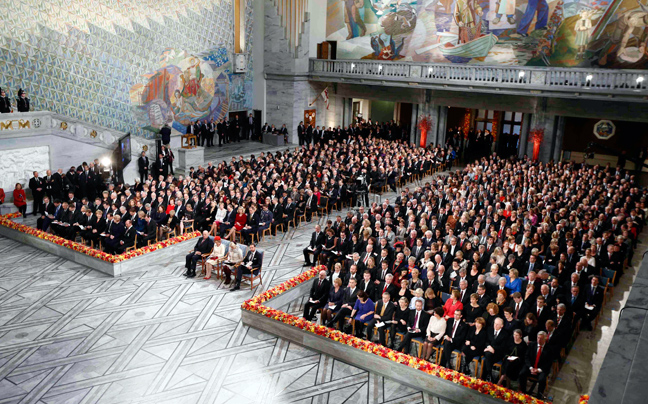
475, 343
399, 323
514, 360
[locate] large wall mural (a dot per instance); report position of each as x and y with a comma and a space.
82, 58
184, 89
584, 33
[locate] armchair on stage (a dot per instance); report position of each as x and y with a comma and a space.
251, 277
188, 141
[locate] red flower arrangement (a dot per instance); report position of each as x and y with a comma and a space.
6, 221
584, 399
425, 124
255, 305
537, 136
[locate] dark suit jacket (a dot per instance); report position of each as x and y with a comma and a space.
256, 260
317, 241
129, 237
423, 320
204, 246
369, 288
460, 335
499, 344
391, 289
546, 357
389, 310
320, 292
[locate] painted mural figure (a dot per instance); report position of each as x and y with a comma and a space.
583, 27
505, 7
534, 6
633, 44
352, 15
466, 16
191, 80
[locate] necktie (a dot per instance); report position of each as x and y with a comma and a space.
539, 310
319, 284
517, 310
385, 288
462, 295
496, 333
366, 258
454, 328
416, 319
538, 356
382, 311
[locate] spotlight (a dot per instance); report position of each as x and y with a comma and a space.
379, 67
521, 74
430, 70
353, 65
640, 79
589, 77
106, 162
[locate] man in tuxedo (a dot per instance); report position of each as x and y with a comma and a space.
539, 358
384, 312
203, 247
455, 337
416, 326
541, 311
366, 284
143, 166
47, 210
576, 303
37, 186
315, 245
318, 296
519, 306
498, 340
251, 264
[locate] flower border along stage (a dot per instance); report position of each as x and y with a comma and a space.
255, 305
6, 221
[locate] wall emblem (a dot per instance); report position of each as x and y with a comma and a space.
36, 122
64, 125
604, 129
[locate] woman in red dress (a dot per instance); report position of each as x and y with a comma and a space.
239, 223
20, 199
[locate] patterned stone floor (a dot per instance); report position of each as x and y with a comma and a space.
71, 335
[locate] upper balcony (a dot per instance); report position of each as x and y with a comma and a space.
620, 85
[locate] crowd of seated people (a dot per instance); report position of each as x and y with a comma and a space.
499, 262
237, 199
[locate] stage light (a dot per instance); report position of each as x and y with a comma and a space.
106, 162
379, 68
521, 74
353, 65
589, 77
640, 79
430, 70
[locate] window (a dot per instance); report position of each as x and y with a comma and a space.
512, 122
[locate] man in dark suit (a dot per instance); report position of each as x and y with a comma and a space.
114, 235
541, 311
416, 326
318, 296
519, 306
496, 346
47, 209
455, 337
301, 133
386, 287
350, 297
593, 303
148, 234
251, 264
204, 245
539, 358
127, 239
366, 284
228, 222
37, 186
315, 245
143, 166
384, 312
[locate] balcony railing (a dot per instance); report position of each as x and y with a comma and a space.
595, 82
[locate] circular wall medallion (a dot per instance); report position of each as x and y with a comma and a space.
604, 129
36, 122
145, 148
93, 134
64, 125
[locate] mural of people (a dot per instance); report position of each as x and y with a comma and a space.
467, 16
505, 7
583, 27
534, 6
352, 17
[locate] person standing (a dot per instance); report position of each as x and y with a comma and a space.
5, 104
212, 132
309, 134
168, 159
234, 130
22, 102
165, 133
20, 199
37, 186
221, 129
143, 165
250, 127
301, 133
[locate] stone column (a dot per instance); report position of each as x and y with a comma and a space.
524, 135
443, 123
558, 139
415, 137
